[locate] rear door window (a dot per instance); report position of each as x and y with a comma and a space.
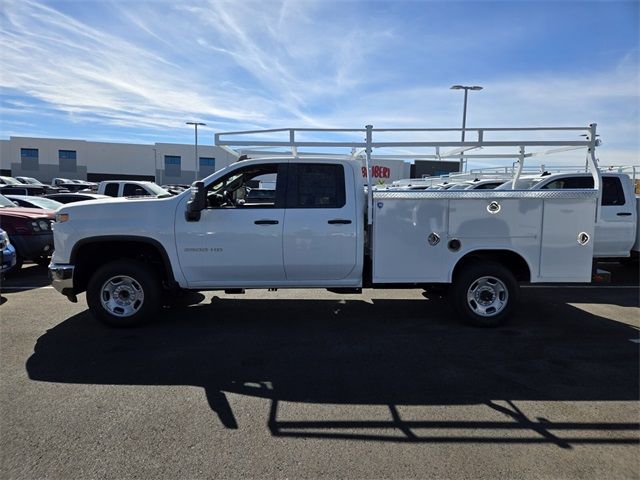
612, 192
133, 190
316, 186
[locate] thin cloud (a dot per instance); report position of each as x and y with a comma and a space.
148, 66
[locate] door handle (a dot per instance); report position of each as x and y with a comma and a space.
624, 214
266, 222
338, 221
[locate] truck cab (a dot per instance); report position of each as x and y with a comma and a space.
307, 234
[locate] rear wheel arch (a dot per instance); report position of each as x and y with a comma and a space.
509, 259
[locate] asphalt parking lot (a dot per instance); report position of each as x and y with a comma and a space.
309, 384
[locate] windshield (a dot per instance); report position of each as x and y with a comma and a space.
158, 190
43, 202
32, 181
10, 181
5, 202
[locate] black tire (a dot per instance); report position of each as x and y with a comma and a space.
42, 261
124, 293
484, 294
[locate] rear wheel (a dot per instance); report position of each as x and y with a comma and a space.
485, 294
124, 293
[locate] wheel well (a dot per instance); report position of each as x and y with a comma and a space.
511, 260
91, 255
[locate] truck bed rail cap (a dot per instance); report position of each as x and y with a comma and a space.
487, 194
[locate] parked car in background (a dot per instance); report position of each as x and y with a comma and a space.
11, 185
484, 184
34, 202
131, 188
29, 231
35, 181
71, 185
72, 197
7, 253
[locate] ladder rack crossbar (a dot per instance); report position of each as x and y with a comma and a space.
518, 143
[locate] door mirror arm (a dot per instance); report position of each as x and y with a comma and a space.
197, 202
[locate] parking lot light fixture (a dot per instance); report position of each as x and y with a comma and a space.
464, 110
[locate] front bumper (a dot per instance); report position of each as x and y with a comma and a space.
33, 246
61, 278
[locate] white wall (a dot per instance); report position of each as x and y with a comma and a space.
104, 158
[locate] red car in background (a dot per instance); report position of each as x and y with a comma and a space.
29, 231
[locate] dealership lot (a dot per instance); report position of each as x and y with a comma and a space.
309, 384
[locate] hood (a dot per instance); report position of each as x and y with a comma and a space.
20, 212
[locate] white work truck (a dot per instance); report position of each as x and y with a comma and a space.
324, 228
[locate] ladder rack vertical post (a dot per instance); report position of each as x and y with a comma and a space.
368, 152
292, 140
520, 167
593, 165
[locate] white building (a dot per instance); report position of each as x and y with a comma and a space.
166, 163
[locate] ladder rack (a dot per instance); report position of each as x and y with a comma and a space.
516, 143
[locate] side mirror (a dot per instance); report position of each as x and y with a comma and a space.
197, 202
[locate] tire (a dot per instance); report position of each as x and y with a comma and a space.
42, 261
484, 294
124, 293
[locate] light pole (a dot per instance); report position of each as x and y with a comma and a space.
155, 165
195, 124
464, 111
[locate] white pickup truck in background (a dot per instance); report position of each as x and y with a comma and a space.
323, 229
131, 188
617, 232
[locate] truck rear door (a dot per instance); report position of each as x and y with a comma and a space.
320, 227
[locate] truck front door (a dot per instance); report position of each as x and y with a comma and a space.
236, 242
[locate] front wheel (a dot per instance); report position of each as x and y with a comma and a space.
124, 293
485, 294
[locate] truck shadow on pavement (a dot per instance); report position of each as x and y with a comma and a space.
389, 353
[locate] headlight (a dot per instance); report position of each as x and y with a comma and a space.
44, 225
62, 217
35, 226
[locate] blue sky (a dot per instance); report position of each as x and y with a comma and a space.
135, 71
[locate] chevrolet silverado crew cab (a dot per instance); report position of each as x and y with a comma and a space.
323, 228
